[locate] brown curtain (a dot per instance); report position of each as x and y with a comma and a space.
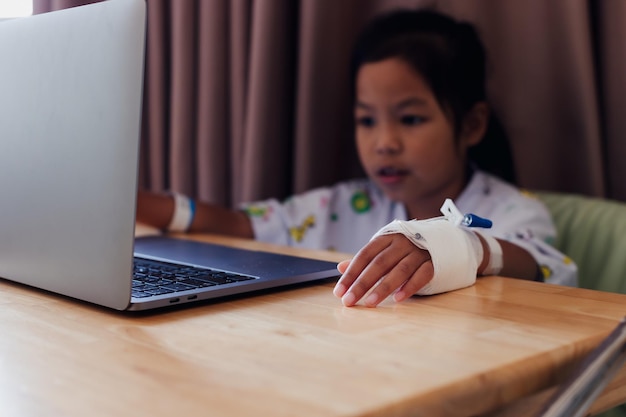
249, 99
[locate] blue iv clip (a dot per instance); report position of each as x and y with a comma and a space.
454, 215
472, 220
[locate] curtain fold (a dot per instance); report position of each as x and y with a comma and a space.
238, 51
212, 127
154, 172
611, 47
267, 148
251, 99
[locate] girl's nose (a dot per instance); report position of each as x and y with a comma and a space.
388, 140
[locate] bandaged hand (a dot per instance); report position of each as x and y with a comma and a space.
387, 264
411, 257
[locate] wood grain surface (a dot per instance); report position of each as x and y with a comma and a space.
495, 348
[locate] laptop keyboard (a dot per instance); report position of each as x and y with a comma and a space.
155, 278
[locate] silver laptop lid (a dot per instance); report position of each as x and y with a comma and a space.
70, 111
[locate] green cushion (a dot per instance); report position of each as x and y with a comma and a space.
619, 411
591, 231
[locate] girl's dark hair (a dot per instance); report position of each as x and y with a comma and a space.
450, 56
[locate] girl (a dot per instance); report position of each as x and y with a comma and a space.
423, 128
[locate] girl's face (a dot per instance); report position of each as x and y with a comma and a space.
405, 142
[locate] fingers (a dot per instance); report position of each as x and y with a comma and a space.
387, 264
358, 263
420, 278
343, 265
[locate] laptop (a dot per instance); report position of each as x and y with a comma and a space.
70, 115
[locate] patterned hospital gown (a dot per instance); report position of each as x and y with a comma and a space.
345, 216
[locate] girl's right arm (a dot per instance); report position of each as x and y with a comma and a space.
156, 210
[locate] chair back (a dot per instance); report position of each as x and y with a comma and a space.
591, 231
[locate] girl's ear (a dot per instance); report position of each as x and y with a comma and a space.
475, 124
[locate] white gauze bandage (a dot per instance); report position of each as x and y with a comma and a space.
455, 252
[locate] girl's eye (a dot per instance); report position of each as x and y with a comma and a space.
365, 121
412, 120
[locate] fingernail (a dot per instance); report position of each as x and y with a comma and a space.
339, 290
371, 299
399, 296
348, 299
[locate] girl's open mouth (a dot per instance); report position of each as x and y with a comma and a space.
391, 175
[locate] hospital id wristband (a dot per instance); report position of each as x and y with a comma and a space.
494, 267
184, 211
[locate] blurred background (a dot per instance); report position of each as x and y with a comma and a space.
250, 99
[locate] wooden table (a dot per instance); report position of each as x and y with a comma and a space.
497, 348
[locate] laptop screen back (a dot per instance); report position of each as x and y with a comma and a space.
70, 110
